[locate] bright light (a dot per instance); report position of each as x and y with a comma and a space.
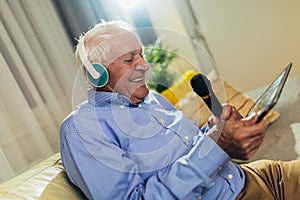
129, 3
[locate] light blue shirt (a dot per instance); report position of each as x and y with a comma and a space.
112, 149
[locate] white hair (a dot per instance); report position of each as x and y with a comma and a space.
98, 34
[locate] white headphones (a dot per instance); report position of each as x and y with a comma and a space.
97, 73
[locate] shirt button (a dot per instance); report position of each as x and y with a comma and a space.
122, 107
162, 120
220, 168
230, 176
186, 137
199, 197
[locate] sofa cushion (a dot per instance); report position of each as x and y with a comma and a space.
182, 96
47, 180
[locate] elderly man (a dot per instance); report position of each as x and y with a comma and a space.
127, 142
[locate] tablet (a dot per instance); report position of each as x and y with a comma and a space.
270, 96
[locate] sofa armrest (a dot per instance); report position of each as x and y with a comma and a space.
47, 180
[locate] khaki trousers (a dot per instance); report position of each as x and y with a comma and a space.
266, 179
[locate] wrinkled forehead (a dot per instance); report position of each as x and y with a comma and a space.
118, 45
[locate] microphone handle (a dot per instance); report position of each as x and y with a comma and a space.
213, 104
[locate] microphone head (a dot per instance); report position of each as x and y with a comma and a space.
201, 85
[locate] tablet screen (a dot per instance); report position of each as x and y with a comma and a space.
270, 96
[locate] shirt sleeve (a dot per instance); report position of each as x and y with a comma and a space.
103, 171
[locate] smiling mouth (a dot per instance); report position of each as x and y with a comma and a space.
137, 80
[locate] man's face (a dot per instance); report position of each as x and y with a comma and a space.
127, 76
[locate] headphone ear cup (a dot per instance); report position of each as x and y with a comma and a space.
103, 79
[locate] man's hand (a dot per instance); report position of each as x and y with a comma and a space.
239, 137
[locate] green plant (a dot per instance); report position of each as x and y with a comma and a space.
159, 58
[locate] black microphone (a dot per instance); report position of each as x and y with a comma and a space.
202, 87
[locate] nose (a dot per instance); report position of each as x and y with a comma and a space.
141, 64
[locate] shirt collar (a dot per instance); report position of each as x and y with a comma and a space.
99, 98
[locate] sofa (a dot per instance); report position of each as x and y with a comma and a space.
48, 180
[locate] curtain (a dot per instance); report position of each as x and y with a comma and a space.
78, 16
37, 73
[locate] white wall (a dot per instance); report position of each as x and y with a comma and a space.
251, 41
165, 17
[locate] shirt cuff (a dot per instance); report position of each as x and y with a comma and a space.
207, 155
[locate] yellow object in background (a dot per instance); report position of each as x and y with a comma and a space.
180, 88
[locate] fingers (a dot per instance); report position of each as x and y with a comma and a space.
250, 120
227, 111
245, 128
247, 137
211, 121
245, 150
235, 115
230, 112
252, 129
240, 138
215, 121
251, 147
253, 142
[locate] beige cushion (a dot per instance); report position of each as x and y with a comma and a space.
46, 180
195, 109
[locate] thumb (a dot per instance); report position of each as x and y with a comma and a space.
250, 120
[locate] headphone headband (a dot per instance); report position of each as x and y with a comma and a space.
97, 73
84, 59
